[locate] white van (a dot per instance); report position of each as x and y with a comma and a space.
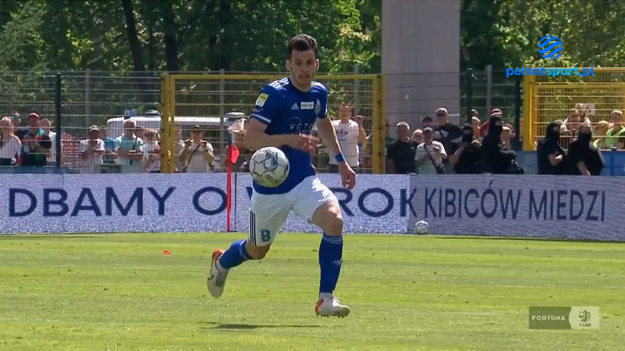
211, 125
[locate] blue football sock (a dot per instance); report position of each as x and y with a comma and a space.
330, 260
235, 255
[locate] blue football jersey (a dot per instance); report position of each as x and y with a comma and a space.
287, 110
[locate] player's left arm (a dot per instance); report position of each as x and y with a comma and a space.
328, 135
362, 135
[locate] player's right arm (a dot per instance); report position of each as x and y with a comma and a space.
267, 107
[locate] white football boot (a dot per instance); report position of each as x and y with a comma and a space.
216, 277
331, 306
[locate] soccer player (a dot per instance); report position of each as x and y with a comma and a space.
283, 117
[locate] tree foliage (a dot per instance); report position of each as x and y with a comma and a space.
187, 35
505, 33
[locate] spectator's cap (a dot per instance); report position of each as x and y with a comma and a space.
15, 114
93, 128
474, 112
34, 114
428, 130
196, 127
496, 113
441, 111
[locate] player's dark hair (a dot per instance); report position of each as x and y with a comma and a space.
302, 42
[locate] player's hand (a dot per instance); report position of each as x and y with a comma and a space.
348, 176
304, 142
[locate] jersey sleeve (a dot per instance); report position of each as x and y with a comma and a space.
324, 103
267, 105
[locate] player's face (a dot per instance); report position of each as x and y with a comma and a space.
303, 65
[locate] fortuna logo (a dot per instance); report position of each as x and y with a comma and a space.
294, 107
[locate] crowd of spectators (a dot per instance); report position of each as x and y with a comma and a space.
436, 146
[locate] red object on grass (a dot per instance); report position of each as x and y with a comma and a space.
166, 252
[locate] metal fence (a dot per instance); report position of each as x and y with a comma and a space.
95, 98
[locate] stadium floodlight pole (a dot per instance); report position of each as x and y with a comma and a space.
57, 105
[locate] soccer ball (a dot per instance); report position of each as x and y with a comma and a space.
421, 227
269, 167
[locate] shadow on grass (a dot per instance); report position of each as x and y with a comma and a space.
243, 326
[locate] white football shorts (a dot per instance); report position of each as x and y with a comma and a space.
268, 212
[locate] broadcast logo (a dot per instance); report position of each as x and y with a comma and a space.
550, 47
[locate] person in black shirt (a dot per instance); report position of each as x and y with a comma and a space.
447, 134
584, 158
498, 160
550, 155
466, 157
401, 153
36, 145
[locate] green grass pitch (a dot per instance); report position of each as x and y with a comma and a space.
120, 292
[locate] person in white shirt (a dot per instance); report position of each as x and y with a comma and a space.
91, 150
351, 136
10, 144
430, 154
46, 126
197, 154
152, 151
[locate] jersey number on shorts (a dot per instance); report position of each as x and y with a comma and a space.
265, 235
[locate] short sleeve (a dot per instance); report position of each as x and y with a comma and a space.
82, 147
267, 105
443, 148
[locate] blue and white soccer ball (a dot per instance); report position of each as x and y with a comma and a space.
421, 227
269, 167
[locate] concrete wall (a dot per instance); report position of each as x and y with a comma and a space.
420, 58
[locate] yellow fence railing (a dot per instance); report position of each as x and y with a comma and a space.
547, 99
217, 97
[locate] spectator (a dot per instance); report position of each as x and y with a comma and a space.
17, 123
178, 146
417, 136
466, 157
109, 146
401, 153
388, 139
10, 144
475, 123
615, 136
130, 148
497, 159
446, 133
427, 122
601, 129
46, 126
91, 151
570, 128
506, 137
140, 132
584, 158
152, 151
35, 145
430, 154
349, 133
571, 124
197, 154
550, 155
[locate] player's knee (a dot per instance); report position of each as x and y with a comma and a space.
334, 221
334, 225
257, 252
